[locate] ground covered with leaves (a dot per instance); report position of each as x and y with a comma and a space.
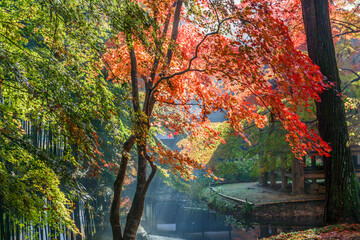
344, 232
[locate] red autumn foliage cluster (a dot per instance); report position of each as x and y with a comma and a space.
239, 59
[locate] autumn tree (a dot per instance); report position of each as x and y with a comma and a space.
342, 187
213, 54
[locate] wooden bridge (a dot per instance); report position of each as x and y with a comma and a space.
311, 170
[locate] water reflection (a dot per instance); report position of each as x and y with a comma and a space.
179, 219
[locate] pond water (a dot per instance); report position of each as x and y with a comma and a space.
180, 219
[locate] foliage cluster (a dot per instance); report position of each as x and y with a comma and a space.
227, 157
343, 231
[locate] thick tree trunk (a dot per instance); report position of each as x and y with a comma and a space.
342, 193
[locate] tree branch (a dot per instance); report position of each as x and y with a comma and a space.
151, 176
174, 33
352, 81
188, 69
181, 104
149, 101
347, 25
205, 37
134, 81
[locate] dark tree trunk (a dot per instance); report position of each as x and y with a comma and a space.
2, 225
342, 193
118, 184
7, 227
17, 231
88, 233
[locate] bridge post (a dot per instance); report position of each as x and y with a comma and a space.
264, 178
300, 165
283, 179
294, 176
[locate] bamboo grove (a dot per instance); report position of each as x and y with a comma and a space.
54, 102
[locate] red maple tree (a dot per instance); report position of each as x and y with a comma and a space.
217, 55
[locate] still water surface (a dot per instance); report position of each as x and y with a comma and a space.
180, 219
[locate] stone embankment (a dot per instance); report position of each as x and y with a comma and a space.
262, 202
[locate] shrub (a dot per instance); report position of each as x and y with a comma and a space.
236, 170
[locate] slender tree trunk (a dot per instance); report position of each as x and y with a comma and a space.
115, 205
87, 222
342, 192
136, 210
77, 219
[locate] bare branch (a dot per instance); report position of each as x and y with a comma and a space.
217, 15
181, 104
352, 28
150, 99
134, 81
344, 23
355, 10
352, 81
344, 33
158, 51
205, 37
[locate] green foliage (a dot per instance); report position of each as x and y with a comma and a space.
172, 180
247, 209
229, 160
51, 90
32, 188
236, 171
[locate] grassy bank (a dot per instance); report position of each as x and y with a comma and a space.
343, 232
220, 204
